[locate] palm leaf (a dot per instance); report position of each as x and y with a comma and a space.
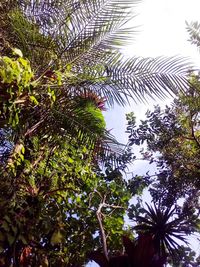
89, 34
82, 27
86, 128
140, 78
159, 76
159, 224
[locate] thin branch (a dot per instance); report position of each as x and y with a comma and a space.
61, 189
99, 214
103, 235
113, 206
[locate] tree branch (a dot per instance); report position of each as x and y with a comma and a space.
99, 214
103, 235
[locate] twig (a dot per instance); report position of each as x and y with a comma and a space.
103, 235
60, 189
99, 214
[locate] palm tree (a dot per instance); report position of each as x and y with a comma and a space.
84, 38
165, 227
80, 41
76, 42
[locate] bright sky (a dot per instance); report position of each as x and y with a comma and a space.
162, 24
162, 32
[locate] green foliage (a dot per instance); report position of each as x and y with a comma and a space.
55, 35
58, 192
50, 171
174, 134
92, 116
170, 140
22, 94
16, 72
165, 231
193, 29
25, 34
15, 86
186, 258
54, 198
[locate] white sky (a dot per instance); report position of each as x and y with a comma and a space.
162, 32
162, 24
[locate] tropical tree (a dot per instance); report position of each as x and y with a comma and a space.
170, 140
168, 229
51, 176
74, 51
60, 61
174, 134
85, 37
164, 230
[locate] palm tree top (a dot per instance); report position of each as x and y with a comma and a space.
86, 37
165, 226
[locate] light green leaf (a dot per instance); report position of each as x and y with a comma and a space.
56, 237
34, 100
17, 52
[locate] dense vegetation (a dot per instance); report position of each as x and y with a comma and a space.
63, 194
172, 145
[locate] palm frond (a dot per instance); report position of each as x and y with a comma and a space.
119, 80
87, 128
159, 223
87, 36
82, 28
138, 77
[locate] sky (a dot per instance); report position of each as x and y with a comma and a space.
162, 27
161, 31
